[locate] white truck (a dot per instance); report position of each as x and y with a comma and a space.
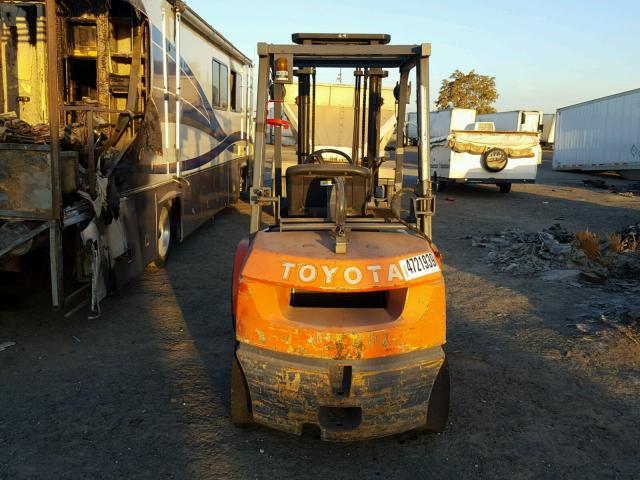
465, 151
514, 121
600, 135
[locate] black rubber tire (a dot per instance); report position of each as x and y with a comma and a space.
437, 185
504, 187
166, 215
438, 411
241, 414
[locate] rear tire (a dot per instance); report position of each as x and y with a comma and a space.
241, 414
504, 187
438, 410
164, 234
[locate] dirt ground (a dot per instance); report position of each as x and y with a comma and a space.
142, 392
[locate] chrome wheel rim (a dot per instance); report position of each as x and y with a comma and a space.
164, 233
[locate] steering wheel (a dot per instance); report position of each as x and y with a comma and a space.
316, 157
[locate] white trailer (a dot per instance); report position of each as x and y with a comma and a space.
514, 121
411, 129
462, 154
600, 135
548, 134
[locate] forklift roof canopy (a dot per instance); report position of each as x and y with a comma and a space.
348, 50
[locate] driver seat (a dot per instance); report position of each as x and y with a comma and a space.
309, 188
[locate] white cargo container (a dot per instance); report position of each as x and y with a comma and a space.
411, 129
600, 135
463, 151
548, 135
442, 123
515, 121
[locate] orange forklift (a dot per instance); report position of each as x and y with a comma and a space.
338, 293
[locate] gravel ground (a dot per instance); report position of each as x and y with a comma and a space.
142, 392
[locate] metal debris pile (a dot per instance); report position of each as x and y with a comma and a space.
522, 253
629, 239
563, 255
610, 265
14, 130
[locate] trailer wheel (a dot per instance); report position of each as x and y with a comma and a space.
504, 187
164, 236
438, 410
241, 414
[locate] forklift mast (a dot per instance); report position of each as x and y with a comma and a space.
370, 56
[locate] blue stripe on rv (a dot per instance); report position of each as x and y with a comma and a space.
193, 163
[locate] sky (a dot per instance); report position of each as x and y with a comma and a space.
544, 54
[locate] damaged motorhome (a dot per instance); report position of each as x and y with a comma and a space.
107, 149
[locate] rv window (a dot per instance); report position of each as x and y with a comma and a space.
220, 82
216, 84
224, 86
235, 104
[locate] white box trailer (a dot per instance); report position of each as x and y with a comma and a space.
514, 121
548, 134
441, 124
462, 154
600, 135
411, 129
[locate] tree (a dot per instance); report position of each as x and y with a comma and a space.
468, 90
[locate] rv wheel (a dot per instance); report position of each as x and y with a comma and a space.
164, 236
504, 187
241, 415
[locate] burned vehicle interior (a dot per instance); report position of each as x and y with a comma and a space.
51, 181
100, 47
